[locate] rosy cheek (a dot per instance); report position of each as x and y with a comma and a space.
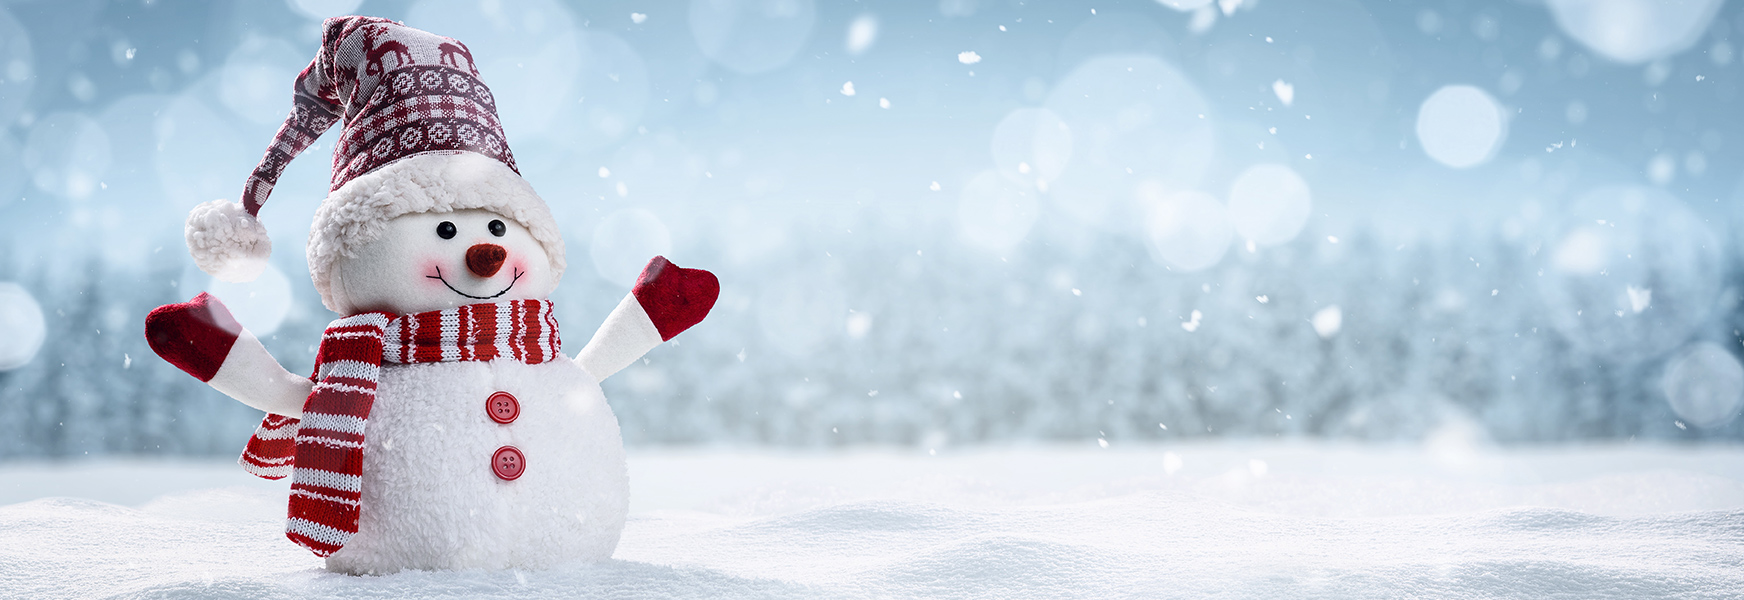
428, 268
519, 265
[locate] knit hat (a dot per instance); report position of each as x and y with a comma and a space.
421, 134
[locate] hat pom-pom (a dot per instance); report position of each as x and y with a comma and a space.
227, 242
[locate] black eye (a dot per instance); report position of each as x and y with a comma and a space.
446, 230
498, 228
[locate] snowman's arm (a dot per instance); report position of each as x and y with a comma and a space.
252, 376
200, 337
626, 335
665, 301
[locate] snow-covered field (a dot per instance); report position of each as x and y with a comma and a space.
1229, 520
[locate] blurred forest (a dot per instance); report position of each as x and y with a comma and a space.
931, 346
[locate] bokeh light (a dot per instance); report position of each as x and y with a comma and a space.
1461, 126
1189, 231
996, 213
799, 314
1132, 118
611, 94
260, 305
747, 235
1269, 204
625, 241
129, 212
1327, 321
751, 36
1632, 271
21, 320
202, 156
1032, 146
862, 33
657, 169
1704, 385
1634, 31
252, 82
67, 154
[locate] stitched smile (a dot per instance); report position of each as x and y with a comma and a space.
438, 277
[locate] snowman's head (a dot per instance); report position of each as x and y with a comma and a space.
420, 144
433, 261
433, 232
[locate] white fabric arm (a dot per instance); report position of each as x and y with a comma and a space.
626, 335
252, 376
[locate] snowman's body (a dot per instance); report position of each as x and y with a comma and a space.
431, 499
427, 214
430, 495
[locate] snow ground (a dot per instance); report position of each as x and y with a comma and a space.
1215, 520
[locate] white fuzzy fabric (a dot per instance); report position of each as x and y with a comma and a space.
227, 242
430, 499
252, 376
626, 335
358, 212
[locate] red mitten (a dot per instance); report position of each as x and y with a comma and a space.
675, 298
195, 336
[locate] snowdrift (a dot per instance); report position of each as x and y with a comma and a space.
1200, 521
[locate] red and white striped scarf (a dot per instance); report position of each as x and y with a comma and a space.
323, 452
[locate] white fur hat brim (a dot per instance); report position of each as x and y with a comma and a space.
358, 212
227, 242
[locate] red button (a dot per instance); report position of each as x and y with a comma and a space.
508, 463
502, 407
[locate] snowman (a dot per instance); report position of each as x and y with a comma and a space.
444, 427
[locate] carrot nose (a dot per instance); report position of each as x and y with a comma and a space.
485, 259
